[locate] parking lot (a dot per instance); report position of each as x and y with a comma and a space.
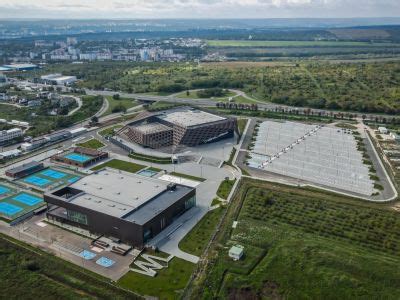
322, 155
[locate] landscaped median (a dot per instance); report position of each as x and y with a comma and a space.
91, 144
225, 188
151, 158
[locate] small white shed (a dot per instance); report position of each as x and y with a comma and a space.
236, 252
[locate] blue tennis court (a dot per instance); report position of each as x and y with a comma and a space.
53, 173
78, 157
9, 209
3, 190
105, 262
27, 199
38, 181
87, 254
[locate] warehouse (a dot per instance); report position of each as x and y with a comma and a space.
179, 126
120, 205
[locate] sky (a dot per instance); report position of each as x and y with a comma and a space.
133, 9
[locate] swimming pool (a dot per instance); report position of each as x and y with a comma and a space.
147, 173
9, 209
78, 157
27, 199
53, 174
38, 181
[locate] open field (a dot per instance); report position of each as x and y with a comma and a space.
120, 165
119, 105
168, 284
249, 43
29, 273
335, 247
91, 144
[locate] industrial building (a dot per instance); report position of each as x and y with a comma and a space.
25, 169
80, 157
179, 126
58, 79
120, 205
9, 135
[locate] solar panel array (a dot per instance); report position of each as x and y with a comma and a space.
322, 155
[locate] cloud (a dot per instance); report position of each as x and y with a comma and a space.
197, 8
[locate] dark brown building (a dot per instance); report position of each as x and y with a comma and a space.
125, 206
179, 126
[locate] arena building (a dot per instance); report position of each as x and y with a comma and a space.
179, 126
120, 205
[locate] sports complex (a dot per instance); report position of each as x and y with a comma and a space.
50, 178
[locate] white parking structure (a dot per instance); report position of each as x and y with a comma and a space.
321, 155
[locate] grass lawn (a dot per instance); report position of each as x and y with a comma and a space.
92, 144
109, 130
302, 243
154, 169
241, 125
120, 165
225, 188
168, 283
29, 273
196, 240
112, 104
187, 176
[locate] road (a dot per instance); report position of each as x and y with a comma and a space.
211, 102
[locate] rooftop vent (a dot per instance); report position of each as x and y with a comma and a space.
111, 205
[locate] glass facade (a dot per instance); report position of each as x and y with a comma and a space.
191, 202
77, 217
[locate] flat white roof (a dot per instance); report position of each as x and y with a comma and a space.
152, 127
186, 116
116, 193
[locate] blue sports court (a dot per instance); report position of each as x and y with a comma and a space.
105, 262
38, 181
53, 173
78, 157
87, 254
9, 209
27, 199
3, 190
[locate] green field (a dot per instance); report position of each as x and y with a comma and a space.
168, 283
120, 105
91, 144
249, 43
29, 273
303, 244
109, 130
197, 239
150, 158
225, 188
120, 165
